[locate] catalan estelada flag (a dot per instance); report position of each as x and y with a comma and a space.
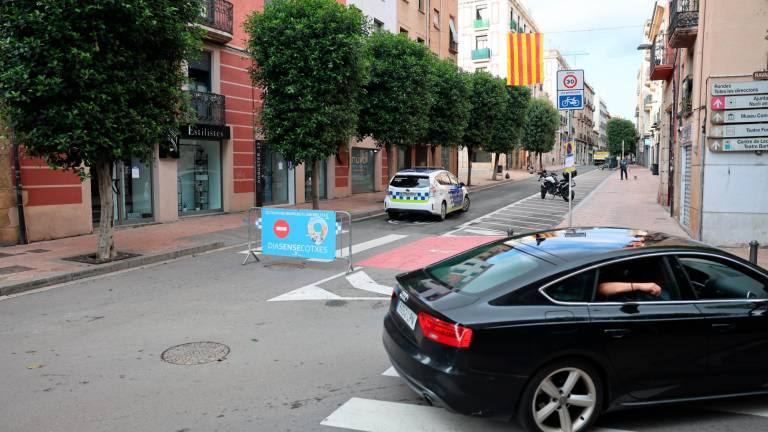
525, 59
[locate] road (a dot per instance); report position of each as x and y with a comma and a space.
303, 338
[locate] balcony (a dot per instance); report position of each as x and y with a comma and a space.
482, 23
217, 20
683, 23
481, 54
453, 47
208, 108
661, 60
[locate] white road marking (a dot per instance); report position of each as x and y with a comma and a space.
483, 231
361, 280
391, 372
380, 416
309, 292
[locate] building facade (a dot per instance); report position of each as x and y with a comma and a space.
712, 184
601, 123
483, 29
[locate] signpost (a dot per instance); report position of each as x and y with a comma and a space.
739, 117
570, 97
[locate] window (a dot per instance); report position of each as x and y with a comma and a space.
377, 25
420, 40
436, 19
639, 271
481, 13
480, 69
713, 279
199, 72
421, 5
481, 42
480, 155
454, 179
443, 179
577, 288
403, 31
454, 35
402, 181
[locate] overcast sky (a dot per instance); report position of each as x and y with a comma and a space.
613, 61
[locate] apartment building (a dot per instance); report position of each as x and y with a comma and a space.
483, 29
711, 159
601, 123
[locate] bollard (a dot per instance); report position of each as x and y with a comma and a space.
753, 245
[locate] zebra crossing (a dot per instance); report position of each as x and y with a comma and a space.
532, 213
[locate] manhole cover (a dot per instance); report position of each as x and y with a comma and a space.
195, 353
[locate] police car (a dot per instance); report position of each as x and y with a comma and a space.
429, 190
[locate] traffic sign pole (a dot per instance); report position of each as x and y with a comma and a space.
570, 176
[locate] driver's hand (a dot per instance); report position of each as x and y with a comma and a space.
651, 288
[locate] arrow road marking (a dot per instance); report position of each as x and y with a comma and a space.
361, 280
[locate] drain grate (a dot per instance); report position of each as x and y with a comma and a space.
195, 353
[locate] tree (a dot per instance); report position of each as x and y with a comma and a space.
541, 123
487, 101
618, 130
311, 66
449, 115
86, 83
507, 132
397, 99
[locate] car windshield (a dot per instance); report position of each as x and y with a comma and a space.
407, 181
478, 270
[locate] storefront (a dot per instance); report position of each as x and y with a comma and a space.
132, 180
274, 176
199, 180
363, 170
322, 181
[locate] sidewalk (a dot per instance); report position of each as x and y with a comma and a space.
42, 263
482, 177
632, 204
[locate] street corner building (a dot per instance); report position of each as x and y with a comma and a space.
702, 116
219, 163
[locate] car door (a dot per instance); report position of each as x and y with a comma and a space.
656, 345
456, 190
734, 299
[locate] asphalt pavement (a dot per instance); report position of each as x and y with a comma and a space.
301, 340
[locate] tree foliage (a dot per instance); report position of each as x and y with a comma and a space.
310, 63
541, 123
618, 130
84, 83
449, 113
397, 99
508, 130
487, 102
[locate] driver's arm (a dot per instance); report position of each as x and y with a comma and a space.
612, 288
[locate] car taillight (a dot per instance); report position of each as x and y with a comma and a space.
443, 332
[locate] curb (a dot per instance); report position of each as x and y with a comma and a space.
107, 268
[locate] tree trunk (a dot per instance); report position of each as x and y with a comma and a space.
541, 164
315, 185
469, 166
495, 164
106, 248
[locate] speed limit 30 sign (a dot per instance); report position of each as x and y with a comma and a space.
570, 80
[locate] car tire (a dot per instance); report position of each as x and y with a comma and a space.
465, 205
393, 215
443, 211
548, 394
543, 192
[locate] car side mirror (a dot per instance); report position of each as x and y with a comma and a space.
462, 184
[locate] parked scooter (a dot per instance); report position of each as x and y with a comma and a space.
550, 184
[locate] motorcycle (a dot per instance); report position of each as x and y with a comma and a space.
550, 184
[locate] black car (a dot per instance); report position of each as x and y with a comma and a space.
556, 327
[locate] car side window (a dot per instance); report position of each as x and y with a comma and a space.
714, 279
637, 280
454, 180
578, 288
443, 179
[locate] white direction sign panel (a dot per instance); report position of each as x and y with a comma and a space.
570, 80
748, 130
739, 116
739, 144
738, 102
739, 88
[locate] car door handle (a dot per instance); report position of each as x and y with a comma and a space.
616, 333
723, 327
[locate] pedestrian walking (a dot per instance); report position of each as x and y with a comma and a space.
623, 166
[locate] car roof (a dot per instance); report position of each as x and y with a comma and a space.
586, 242
420, 170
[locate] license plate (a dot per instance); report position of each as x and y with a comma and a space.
410, 194
406, 314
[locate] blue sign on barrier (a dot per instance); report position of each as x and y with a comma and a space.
298, 233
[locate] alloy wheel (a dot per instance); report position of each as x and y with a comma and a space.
465, 207
564, 401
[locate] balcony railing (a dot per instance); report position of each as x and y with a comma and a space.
208, 107
482, 23
661, 60
481, 54
683, 23
217, 17
453, 47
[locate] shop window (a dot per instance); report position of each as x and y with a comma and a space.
199, 183
481, 156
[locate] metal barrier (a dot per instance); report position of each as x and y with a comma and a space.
343, 249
